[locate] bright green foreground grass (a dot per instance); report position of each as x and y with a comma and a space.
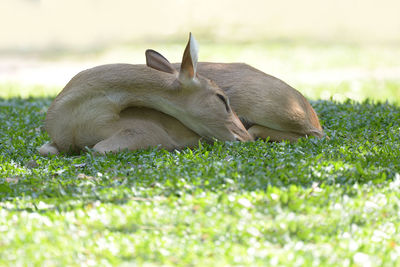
314, 203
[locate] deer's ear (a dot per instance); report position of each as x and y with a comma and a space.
189, 60
156, 61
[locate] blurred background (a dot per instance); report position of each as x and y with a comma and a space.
326, 49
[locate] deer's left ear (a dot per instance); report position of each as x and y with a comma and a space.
156, 61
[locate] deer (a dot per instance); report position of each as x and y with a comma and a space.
268, 107
115, 107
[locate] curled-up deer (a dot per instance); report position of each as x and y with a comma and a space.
122, 106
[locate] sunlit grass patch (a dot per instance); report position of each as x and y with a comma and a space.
318, 70
9, 90
356, 90
329, 202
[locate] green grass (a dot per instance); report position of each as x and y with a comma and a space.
322, 202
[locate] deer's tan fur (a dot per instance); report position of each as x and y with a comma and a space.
152, 128
92, 110
268, 106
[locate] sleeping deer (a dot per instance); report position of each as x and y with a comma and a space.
106, 108
266, 105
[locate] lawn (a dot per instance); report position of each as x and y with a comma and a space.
328, 202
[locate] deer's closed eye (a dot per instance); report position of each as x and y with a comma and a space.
225, 101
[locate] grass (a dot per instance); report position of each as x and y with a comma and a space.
317, 202
329, 202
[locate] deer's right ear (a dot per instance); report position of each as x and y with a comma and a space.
156, 61
189, 60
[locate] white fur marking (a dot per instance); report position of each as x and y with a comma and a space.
194, 51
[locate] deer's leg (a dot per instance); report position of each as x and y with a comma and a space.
262, 132
48, 149
136, 138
